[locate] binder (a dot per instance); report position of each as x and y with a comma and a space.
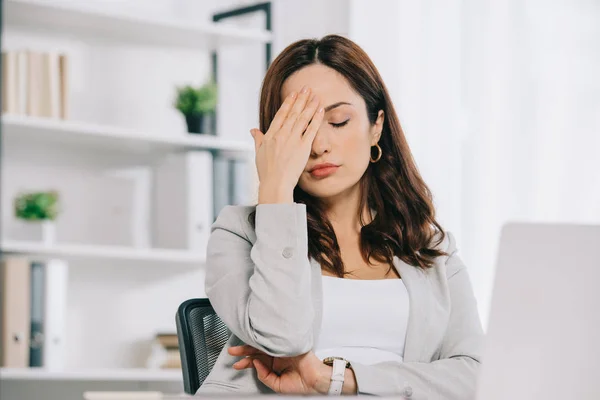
15, 296
36, 339
200, 189
55, 314
183, 201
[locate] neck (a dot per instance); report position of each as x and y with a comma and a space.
342, 211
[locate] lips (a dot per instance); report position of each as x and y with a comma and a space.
323, 170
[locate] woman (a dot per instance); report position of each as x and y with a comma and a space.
342, 257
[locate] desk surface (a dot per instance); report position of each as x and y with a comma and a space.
161, 396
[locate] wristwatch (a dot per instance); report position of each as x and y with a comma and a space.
337, 375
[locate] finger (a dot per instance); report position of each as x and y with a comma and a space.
265, 375
244, 363
304, 119
296, 110
242, 351
258, 137
313, 127
282, 114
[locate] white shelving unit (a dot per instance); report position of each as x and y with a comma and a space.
82, 22
125, 374
121, 254
22, 134
25, 131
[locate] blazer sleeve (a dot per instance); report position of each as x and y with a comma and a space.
262, 291
454, 375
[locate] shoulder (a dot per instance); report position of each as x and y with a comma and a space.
444, 241
449, 264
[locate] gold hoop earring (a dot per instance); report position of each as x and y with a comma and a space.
379, 153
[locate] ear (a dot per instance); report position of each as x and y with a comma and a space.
377, 128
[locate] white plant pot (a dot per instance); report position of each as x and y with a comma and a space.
34, 231
48, 233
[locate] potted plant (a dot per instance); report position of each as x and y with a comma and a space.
196, 103
39, 208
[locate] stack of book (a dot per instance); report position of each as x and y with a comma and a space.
35, 84
170, 344
33, 315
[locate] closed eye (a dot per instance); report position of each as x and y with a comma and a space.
340, 124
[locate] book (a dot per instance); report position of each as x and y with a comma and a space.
35, 86
46, 84
49, 95
63, 68
10, 80
22, 82
168, 340
164, 352
15, 299
172, 360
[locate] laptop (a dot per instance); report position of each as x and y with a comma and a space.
543, 337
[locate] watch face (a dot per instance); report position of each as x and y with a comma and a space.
329, 361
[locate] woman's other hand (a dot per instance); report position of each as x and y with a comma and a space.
283, 151
303, 374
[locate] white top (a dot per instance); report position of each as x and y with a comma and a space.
363, 320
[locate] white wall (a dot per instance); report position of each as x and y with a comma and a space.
310, 19
416, 49
499, 107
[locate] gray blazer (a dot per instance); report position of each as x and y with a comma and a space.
268, 292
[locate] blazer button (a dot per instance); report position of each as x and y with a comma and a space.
288, 252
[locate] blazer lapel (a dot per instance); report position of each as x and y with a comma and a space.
419, 319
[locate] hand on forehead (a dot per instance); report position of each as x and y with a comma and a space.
328, 84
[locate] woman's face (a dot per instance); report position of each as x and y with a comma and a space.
345, 137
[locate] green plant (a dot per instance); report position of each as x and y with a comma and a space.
37, 206
191, 100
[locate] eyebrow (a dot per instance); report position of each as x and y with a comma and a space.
335, 105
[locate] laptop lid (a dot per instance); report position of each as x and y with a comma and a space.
543, 338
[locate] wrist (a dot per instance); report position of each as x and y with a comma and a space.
271, 194
350, 385
324, 381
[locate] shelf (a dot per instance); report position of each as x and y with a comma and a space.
25, 131
118, 374
114, 253
67, 19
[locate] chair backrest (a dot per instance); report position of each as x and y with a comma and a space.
201, 335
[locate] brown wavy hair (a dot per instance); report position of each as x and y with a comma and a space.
404, 223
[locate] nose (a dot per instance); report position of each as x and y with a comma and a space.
321, 144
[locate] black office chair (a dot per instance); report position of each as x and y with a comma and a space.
201, 335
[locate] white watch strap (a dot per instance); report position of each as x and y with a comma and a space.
337, 377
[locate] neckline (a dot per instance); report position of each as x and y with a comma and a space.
360, 280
